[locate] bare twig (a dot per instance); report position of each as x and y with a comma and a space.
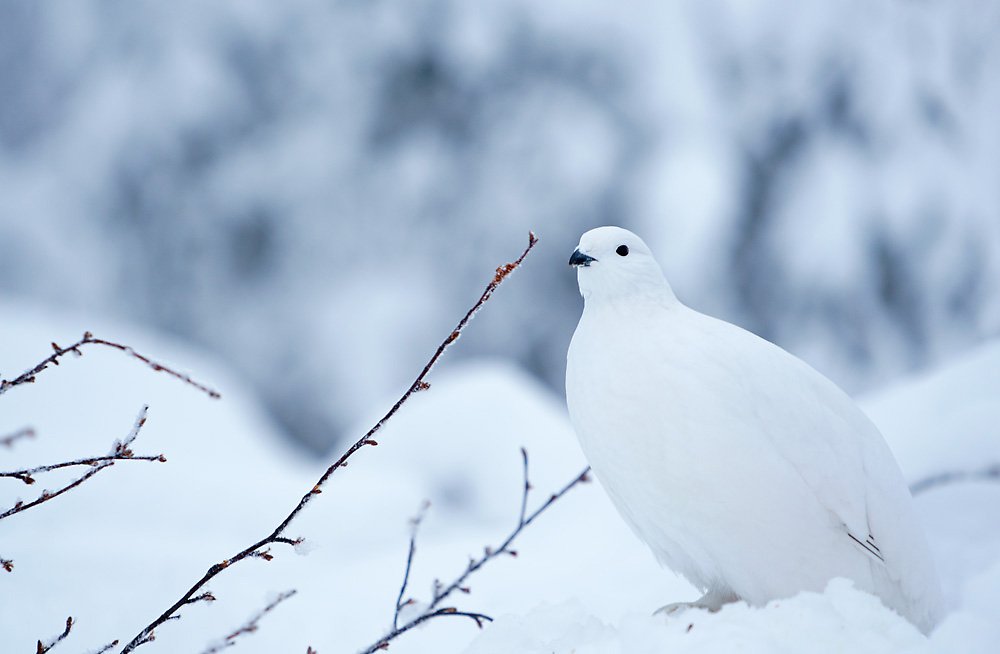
121, 450
113, 643
26, 475
42, 647
490, 553
989, 473
8, 441
441, 593
277, 535
382, 644
49, 495
28, 376
414, 526
250, 625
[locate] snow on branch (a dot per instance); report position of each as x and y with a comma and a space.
441, 593
120, 451
43, 648
28, 376
250, 625
261, 549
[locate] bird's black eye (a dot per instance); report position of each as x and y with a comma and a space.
622, 250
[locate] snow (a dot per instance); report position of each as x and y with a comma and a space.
953, 428
841, 619
118, 550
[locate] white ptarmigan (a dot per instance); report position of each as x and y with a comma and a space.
742, 468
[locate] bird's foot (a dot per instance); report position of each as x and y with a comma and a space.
712, 600
677, 607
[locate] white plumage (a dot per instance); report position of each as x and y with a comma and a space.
742, 468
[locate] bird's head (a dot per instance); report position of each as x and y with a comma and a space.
612, 263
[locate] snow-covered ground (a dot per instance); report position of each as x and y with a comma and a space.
118, 550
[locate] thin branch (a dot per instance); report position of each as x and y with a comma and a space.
527, 487
42, 648
28, 376
414, 526
26, 432
204, 597
989, 473
120, 451
26, 475
490, 553
382, 644
113, 643
49, 495
8, 442
250, 626
276, 536
442, 593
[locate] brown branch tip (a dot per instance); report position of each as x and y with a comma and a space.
43, 648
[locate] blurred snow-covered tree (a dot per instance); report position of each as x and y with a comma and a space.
311, 188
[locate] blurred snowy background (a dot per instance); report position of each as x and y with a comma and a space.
316, 190
313, 192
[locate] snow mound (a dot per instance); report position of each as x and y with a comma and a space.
837, 620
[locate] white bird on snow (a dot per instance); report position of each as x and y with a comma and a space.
742, 468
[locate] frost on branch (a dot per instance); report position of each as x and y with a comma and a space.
303, 547
45, 647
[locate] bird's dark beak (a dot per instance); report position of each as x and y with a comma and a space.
580, 259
